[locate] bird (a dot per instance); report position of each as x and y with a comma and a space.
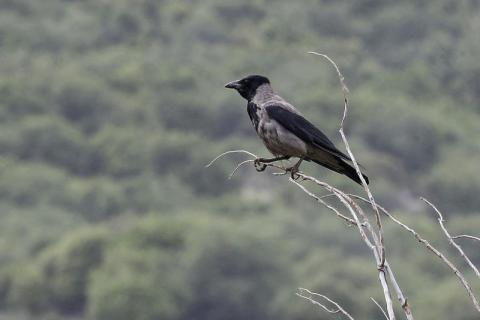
286, 133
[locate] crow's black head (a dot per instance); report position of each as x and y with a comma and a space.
248, 85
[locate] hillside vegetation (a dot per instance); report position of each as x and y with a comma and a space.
109, 111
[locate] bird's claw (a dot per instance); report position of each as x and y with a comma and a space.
259, 165
295, 175
294, 172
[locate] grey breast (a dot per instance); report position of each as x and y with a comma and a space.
277, 139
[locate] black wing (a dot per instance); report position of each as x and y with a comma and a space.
303, 129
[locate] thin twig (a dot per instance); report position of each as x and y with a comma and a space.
228, 152
310, 296
466, 236
346, 198
401, 297
351, 206
379, 242
374, 239
380, 307
432, 249
319, 199
342, 197
340, 75
352, 157
238, 166
449, 237
348, 202
370, 196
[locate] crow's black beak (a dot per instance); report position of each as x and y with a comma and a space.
233, 85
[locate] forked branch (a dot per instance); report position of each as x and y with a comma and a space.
356, 216
309, 295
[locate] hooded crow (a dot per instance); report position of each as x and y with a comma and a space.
285, 132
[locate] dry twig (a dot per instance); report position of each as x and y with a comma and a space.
378, 238
450, 238
374, 239
434, 250
381, 245
466, 236
338, 309
379, 307
319, 199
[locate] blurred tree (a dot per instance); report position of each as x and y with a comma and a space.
59, 277
110, 110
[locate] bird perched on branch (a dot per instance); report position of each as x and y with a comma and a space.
285, 132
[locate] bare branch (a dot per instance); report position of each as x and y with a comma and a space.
345, 200
381, 245
449, 237
229, 152
340, 75
319, 199
400, 296
466, 236
351, 205
433, 250
308, 295
342, 81
238, 166
370, 196
378, 239
353, 208
380, 307
373, 237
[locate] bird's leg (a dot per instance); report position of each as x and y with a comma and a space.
294, 169
260, 162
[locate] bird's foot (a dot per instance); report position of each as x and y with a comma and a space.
259, 165
294, 172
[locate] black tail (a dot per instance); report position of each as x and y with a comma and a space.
346, 169
352, 174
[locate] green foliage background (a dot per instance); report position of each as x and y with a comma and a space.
109, 111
